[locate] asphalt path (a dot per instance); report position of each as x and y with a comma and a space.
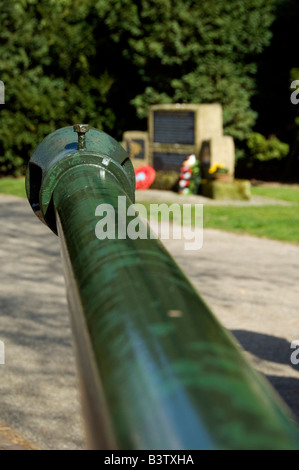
250, 283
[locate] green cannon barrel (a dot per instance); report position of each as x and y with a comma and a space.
157, 370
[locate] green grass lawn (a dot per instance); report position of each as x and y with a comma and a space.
275, 222
286, 193
13, 186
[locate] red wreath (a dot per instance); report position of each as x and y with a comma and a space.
144, 176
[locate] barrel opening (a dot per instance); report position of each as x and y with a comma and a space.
35, 181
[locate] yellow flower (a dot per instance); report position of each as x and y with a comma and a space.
216, 167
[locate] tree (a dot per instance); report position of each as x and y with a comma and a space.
278, 67
191, 51
45, 50
106, 61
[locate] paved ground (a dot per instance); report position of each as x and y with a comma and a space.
250, 283
38, 388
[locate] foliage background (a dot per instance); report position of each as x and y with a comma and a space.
106, 61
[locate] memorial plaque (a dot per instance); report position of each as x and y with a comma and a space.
173, 127
168, 161
135, 148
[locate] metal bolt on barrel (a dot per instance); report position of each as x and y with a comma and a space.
149, 379
81, 130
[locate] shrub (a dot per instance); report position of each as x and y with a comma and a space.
263, 149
